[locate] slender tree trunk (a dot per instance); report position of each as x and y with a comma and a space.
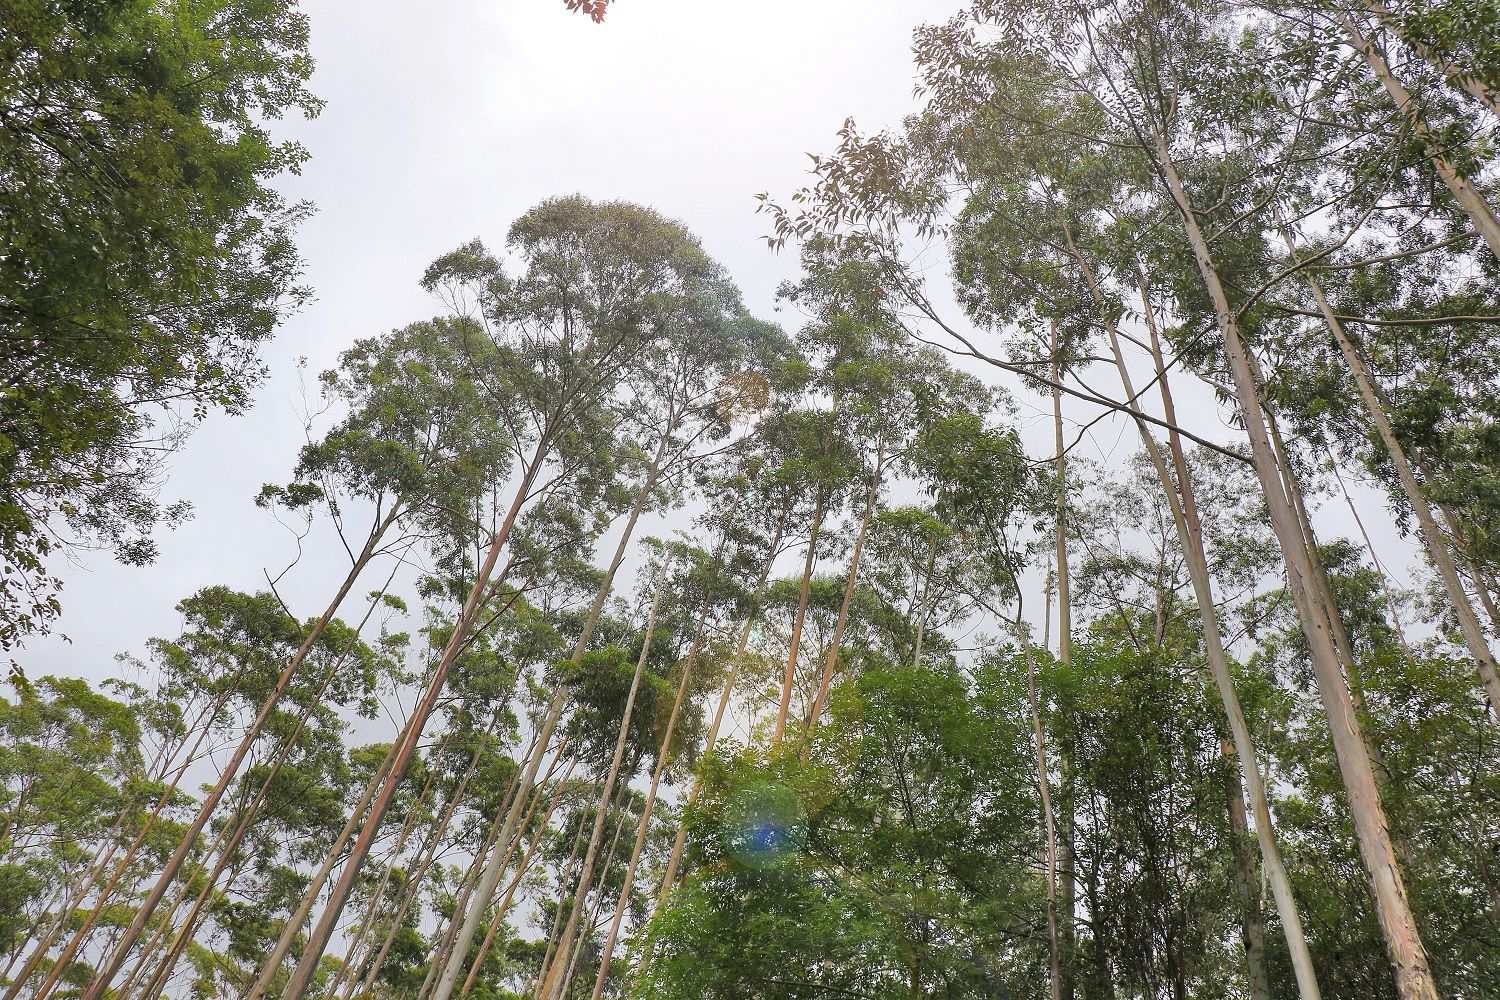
1191, 529
360, 943
1181, 498
80, 936
580, 937
1414, 979
288, 936
1049, 832
916, 655
111, 967
1452, 73
553, 936
796, 640
591, 856
522, 867
1483, 585
1064, 848
1463, 190
426, 854
1432, 535
712, 739
1252, 921
312, 955
493, 872
640, 835
852, 581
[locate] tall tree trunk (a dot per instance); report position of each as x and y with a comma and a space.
81, 935
1049, 831
112, 964
849, 587
591, 855
1064, 847
795, 642
1398, 924
523, 866
1432, 535
1181, 498
640, 835
1451, 71
490, 879
1191, 529
1252, 921
1463, 190
338, 897
712, 738
554, 935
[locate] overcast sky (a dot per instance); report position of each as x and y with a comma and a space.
446, 120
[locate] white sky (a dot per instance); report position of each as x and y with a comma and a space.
445, 121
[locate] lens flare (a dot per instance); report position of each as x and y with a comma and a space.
764, 825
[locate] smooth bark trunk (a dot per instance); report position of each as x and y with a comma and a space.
111, 967
795, 642
852, 581
490, 879
1414, 980
1463, 190
640, 836
591, 855
1432, 535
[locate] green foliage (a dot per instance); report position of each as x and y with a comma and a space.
147, 255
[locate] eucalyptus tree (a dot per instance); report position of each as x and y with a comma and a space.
1448, 156
1081, 250
1140, 40
73, 757
889, 863
1159, 81
1435, 757
599, 284
147, 257
238, 640
886, 390
749, 505
693, 374
414, 443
